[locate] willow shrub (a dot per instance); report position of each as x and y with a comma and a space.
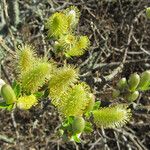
76, 104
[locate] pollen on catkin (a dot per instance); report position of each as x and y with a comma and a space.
26, 58
79, 47
111, 117
66, 42
26, 102
57, 25
36, 77
60, 82
74, 102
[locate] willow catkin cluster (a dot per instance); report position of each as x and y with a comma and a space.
70, 97
34, 72
61, 26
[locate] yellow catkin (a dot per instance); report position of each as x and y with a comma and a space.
74, 102
66, 42
79, 47
26, 102
60, 82
110, 117
73, 15
26, 58
57, 24
36, 77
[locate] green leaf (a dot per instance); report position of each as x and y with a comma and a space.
147, 87
88, 127
3, 105
76, 138
10, 107
38, 95
88, 115
46, 93
17, 88
65, 124
97, 105
68, 121
14, 84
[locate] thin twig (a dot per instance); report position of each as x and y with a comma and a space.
6, 139
14, 123
6, 48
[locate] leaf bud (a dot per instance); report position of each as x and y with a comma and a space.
78, 125
116, 93
132, 96
145, 80
122, 84
8, 94
148, 12
90, 103
133, 81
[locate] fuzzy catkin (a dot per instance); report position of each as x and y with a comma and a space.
57, 25
73, 15
79, 47
26, 58
36, 77
60, 82
110, 117
26, 102
74, 102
